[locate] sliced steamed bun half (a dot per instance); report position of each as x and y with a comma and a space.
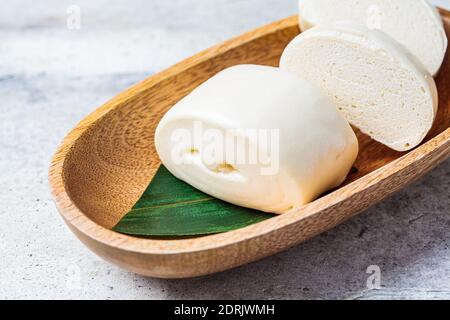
376, 83
414, 23
284, 143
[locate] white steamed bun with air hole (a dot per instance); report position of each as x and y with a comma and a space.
415, 24
376, 83
312, 152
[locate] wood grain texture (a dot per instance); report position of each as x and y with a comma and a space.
104, 165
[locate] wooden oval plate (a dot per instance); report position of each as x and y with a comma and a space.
103, 166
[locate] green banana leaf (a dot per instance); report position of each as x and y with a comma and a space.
172, 208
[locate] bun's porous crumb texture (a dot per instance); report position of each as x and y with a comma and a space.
294, 144
415, 24
374, 82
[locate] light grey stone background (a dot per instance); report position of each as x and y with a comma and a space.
51, 77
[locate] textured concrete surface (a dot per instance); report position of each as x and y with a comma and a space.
51, 77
